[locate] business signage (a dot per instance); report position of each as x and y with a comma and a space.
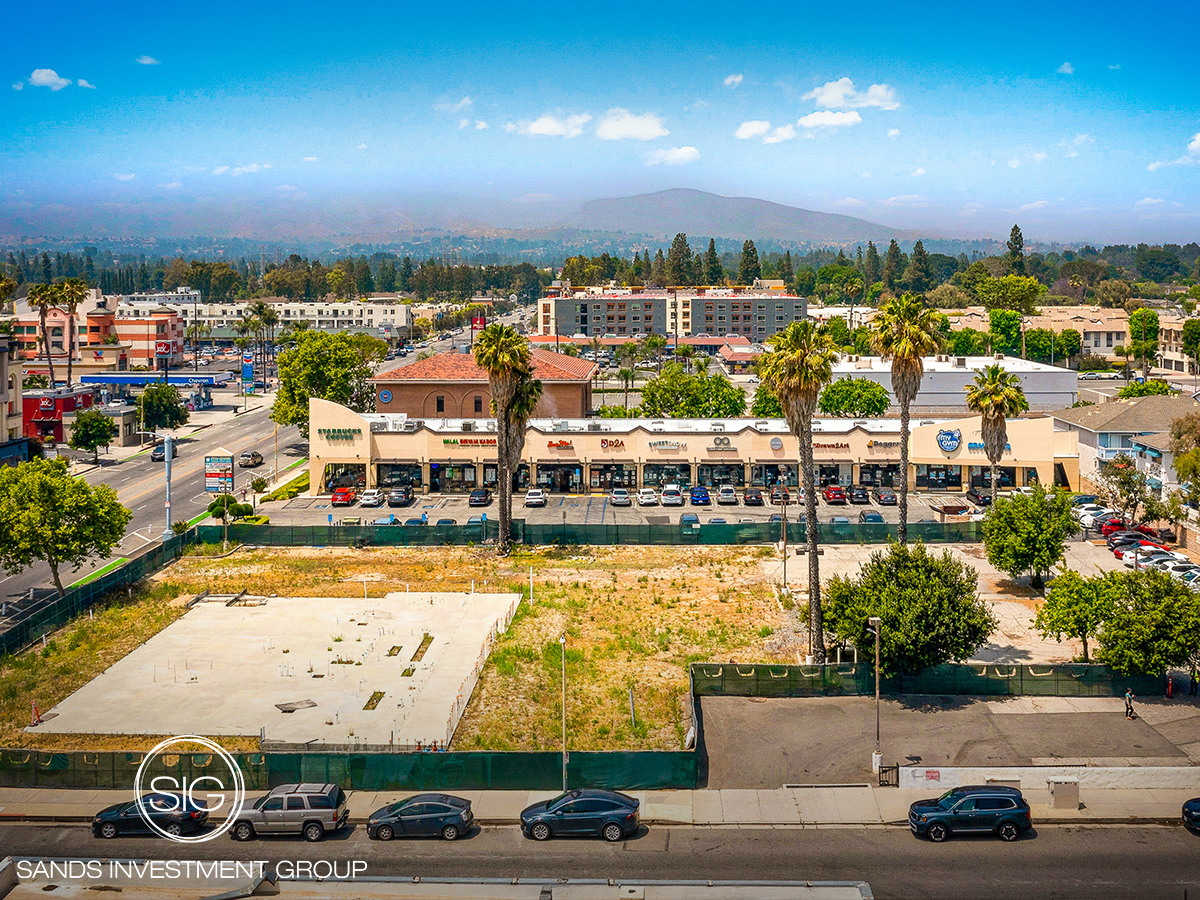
776, 443
559, 445
385, 396
478, 323
469, 442
612, 444
882, 444
162, 349
218, 473
949, 440
841, 445
721, 444
247, 368
667, 445
339, 434
46, 403
979, 445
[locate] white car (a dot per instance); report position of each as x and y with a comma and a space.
620, 497
672, 495
1087, 509
1177, 567
1092, 519
1145, 557
726, 495
371, 498
535, 497
647, 497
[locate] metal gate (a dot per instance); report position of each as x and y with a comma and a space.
889, 776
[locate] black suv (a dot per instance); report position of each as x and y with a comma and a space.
479, 497
973, 809
159, 453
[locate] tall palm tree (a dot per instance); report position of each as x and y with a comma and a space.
905, 332
44, 297
504, 355
686, 352
72, 292
525, 401
627, 375
997, 396
798, 362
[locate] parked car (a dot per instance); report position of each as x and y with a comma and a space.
979, 497
479, 497
1176, 566
647, 497
1108, 526
672, 495
971, 810
416, 520
1083, 499
717, 520
159, 453
884, 496
699, 496
620, 497
835, 494
1146, 546
475, 520
780, 494
535, 497
423, 815
1191, 814
859, 495
870, 518
752, 497
687, 520
726, 495
249, 459
609, 814
372, 497
313, 810
1093, 520
400, 496
446, 522
173, 813
344, 496
1123, 537
1090, 511
1141, 559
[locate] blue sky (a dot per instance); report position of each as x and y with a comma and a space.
1080, 121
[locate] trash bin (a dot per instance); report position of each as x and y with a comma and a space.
1064, 793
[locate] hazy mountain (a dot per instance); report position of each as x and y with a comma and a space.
697, 213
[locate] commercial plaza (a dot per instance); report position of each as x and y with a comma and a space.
585, 455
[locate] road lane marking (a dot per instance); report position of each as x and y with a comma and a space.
92, 576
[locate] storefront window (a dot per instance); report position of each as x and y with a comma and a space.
767, 475
344, 475
391, 475
717, 474
981, 476
939, 478
661, 474
876, 475
520, 477
832, 473
606, 476
559, 478
446, 477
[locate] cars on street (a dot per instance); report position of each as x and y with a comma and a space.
835, 494
535, 497
173, 813
249, 459
589, 812
979, 497
422, 815
752, 497
699, 496
159, 453
859, 494
400, 496
371, 497
717, 520
884, 496
344, 496
313, 810
647, 497
870, 518
727, 495
971, 809
620, 497
672, 495
479, 497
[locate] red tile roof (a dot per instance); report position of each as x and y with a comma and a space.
547, 366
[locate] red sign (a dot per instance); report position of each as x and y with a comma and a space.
478, 323
162, 348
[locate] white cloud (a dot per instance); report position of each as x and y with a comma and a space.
893, 132
696, 104
83, 83
1193, 146
310, 159
1149, 201
1039, 156
463, 123
850, 201
480, 125
453, 106
906, 200
1114, 66
1191, 158
780, 134
171, 185
124, 176
752, 129
865, 175
841, 94
620, 125
361, 147
220, 170
286, 188
918, 172
733, 80
48, 78
1036, 204
827, 119
676, 156
147, 61
1014, 163
1073, 145
241, 170
19, 86
553, 126
1065, 69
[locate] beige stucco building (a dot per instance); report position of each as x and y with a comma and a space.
584, 455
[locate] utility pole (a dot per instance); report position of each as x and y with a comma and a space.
562, 640
877, 756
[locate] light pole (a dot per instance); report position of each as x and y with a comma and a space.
877, 756
168, 447
562, 641
783, 499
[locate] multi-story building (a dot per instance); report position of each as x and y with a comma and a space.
1170, 343
1100, 329
14, 447
687, 312
1108, 430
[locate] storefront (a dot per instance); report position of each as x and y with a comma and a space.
767, 475
950, 456
879, 475
520, 477
1010, 476
452, 476
833, 473
716, 474
606, 476
338, 475
560, 478
658, 475
938, 478
399, 473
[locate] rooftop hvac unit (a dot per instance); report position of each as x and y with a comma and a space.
718, 426
595, 426
468, 426
410, 427
960, 362
760, 424
657, 426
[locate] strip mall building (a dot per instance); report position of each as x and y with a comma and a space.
582, 455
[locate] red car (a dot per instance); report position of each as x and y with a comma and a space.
344, 496
1147, 545
835, 493
1110, 525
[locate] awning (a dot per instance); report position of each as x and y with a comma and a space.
398, 462
559, 462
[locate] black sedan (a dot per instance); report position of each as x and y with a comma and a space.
752, 497
1191, 814
480, 497
159, 453
423, 815
979, 497
885, 496
859, 495
170, 812
583, 812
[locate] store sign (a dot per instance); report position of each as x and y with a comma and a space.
559, 445
469, 442
776, 443
218, 474
385, 396
47, 403
162, 349
721, 444
949, 440
978, 445
667, 445
339, 434
838, 446
882, 444
611, 444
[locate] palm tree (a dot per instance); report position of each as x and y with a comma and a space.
72, 292
997, 396
905, 332
627, 376
45, 296
504, 355
525, 401
686, 352
653, 346
798, 361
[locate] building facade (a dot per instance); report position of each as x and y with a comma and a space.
596, 455
1108, 430
14, 447
48, 413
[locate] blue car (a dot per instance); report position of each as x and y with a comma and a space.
700, 497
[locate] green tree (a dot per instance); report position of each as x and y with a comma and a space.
1005, 331
47, 515
713, 272
1113, 293
675, 393
918, 276
997, 396
1069, 344
805, 282
43, 298
893, 268
1077, 606
160, 406
71, 293
1153, 625
872, 267
1125, 489
797, 364
1143, 332
749, 268
1016, 251
1152, 388
968, 342
90, 431
225, 508
858, 398
905, 332
930, 611
1191, 341
626, 377
1019, 293
327, 366
837, 330
1028, 533
765, 404
679, 261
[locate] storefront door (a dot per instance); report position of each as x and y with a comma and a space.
717, 474
558, 478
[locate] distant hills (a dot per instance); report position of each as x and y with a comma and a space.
696, 213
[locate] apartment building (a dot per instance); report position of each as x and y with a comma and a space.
14, 448
1100, 329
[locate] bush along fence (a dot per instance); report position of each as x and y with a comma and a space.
417, 771
960, 679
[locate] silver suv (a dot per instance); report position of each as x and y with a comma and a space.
309, 809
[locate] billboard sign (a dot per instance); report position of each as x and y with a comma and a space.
218, 472
478, 323
162, 349
247, 368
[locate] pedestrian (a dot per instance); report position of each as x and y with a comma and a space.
1129, 704
1194, 687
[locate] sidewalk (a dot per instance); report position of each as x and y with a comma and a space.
796, 807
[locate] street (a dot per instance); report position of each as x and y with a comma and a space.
1085, 862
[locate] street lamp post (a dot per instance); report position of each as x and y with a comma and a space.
783, 499
877, 756
168, 447
562, 641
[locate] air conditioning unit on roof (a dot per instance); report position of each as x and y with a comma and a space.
468, 426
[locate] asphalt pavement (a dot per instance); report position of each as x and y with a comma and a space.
1086, 862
